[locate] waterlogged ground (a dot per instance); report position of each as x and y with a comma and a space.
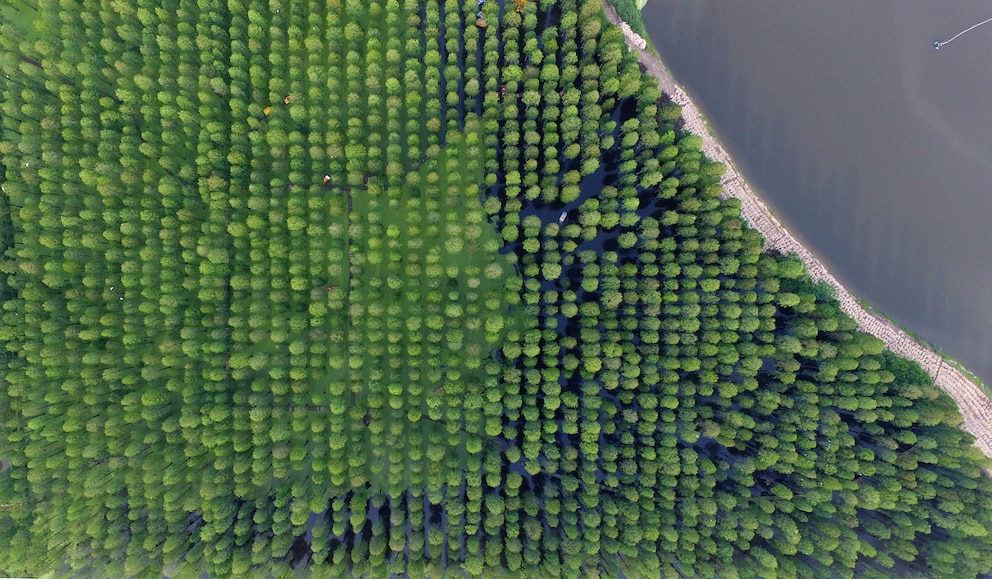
873, 148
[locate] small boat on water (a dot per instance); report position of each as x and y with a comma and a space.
480, 20
562, 217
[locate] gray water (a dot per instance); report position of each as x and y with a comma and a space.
873, 148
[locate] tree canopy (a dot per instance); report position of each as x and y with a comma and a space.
358, 288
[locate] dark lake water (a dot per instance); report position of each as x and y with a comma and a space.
871, 146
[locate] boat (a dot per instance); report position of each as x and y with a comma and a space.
562, 217
480, 20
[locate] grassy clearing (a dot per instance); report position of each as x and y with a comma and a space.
427, 308
21, 19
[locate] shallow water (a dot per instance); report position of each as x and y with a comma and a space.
873, 148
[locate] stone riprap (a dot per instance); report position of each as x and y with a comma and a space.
974, 403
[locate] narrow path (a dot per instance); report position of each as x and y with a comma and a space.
974, 403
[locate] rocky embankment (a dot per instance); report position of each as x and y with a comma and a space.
975, 404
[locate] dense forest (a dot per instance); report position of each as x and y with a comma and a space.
385, 288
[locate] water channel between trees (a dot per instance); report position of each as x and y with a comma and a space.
872, 147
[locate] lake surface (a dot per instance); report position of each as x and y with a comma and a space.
873, 148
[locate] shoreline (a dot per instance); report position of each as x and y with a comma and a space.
972, 401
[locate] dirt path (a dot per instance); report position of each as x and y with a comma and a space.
975, 405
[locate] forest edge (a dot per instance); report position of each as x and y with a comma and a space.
972, 400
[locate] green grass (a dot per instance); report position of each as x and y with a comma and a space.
21, 20
426, 309
948, 359
630, 12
